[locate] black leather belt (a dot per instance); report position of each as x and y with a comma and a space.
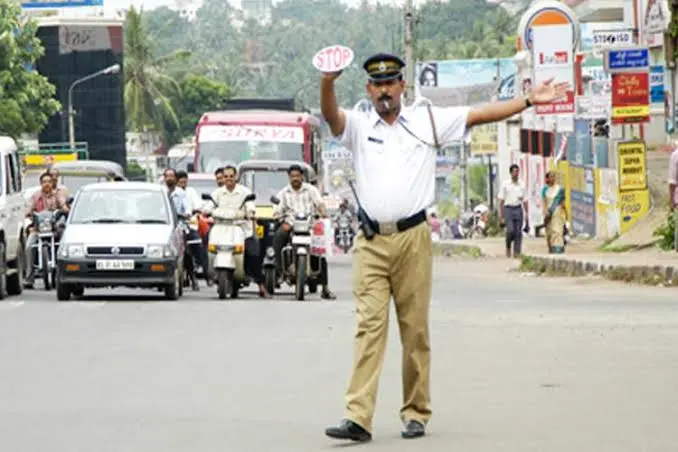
400, 225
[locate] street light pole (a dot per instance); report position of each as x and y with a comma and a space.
71, 112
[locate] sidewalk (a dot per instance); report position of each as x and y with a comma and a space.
649, 266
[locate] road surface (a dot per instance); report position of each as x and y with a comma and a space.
520, 364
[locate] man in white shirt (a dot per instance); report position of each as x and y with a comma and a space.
195, 204
394, 155
231, 195
299, 197
513, 210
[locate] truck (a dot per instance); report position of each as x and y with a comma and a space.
257, 129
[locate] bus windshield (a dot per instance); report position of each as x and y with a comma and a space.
215, 154
264, 183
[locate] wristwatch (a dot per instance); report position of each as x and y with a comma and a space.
528, 102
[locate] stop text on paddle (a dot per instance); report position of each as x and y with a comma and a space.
333, 58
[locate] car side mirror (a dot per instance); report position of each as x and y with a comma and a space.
275, 200
190, 168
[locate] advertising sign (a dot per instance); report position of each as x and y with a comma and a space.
653, 24
611, 39
37, 4
657, 85
633, 206
484, 139
582, 192
627, 60
547, 13
553, 58
632, 165
630, 98
593, 107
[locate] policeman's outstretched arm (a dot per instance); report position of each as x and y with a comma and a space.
328, 104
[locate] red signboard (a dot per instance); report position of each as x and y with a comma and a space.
630, 98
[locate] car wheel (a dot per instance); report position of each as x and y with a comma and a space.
3, 271
172, 289
78, 290
63, 292
15, 282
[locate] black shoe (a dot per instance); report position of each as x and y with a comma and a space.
413, 429
349, 430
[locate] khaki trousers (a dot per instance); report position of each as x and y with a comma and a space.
397, 265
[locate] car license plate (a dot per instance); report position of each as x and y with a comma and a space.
260, 231
302, 239
114, 264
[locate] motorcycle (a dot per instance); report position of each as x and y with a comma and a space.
226, 248
481, 216
299, 268
190, 274
344, 234
47, 228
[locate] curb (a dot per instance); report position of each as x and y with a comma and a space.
641, 274
456, 249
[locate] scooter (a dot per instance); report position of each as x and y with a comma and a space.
344, 234
226, 248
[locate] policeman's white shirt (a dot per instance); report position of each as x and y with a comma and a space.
228, 199
512, 193
395, 172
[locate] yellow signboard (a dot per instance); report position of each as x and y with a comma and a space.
484, 139
48, 159
632, 165
633, 206
633, 111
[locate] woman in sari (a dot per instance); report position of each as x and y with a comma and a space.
555, 217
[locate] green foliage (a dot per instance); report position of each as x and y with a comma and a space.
274, 59
666, 233
198, 94
26, 97
135, 171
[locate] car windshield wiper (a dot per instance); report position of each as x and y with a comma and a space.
105, 220
151, 221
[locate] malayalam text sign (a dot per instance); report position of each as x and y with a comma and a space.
625, 60
630, 98
484, 139
632, 165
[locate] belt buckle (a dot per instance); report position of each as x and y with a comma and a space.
388, 228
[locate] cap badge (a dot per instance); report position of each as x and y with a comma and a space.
382, 66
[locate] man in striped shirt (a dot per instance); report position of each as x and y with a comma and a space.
298, 197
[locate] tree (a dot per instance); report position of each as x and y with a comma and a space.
199, 94
26, 97
148, 85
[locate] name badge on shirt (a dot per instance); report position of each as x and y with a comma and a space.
375, 140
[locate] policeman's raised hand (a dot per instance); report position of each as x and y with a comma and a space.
331, 75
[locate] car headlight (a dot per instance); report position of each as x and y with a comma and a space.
158, 251
45, 226
70, 250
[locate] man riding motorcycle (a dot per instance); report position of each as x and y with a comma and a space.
343, 214
195, 204
46, 199
298, 197
230, 196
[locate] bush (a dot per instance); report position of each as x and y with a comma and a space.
666, 233
493, 226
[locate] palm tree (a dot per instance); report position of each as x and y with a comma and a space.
148, 86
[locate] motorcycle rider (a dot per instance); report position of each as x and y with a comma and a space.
195, 204
47, 198
219, 178
231, 196
298, 197
55, 182
344, 212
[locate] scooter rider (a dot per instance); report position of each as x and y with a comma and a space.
195, 205
46, 199
298, 197
231, 196
343, 213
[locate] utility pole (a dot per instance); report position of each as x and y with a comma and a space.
409, 52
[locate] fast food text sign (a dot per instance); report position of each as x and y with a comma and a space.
333, 58
630, 97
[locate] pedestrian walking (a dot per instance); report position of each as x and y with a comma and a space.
513, 210
394, 155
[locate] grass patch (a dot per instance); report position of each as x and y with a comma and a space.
453, 249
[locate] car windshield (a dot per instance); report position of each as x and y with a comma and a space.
215, 154
120, 206
264, 183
